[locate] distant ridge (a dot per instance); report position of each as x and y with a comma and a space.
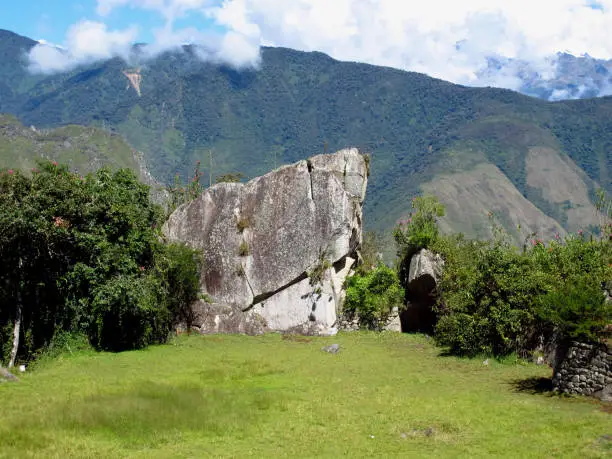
425, 134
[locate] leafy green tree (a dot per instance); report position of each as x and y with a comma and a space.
84, 255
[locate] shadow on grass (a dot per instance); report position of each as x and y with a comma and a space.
534, 386
151, 414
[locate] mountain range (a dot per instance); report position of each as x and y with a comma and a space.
533, 163
561, 77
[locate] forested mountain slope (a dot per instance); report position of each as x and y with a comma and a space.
479, 149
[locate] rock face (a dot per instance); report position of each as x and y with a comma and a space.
210, 319
421, 286
281, 245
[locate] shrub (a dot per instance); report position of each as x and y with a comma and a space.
577, 310
420, 229
242, 224
130, 313
373, 296
179, 267
496, 299
317, 274
181, 193
232, 177
63, 343
243, 249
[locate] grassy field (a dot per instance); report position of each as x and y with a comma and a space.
383, 395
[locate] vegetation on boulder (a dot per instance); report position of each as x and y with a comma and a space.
372, 296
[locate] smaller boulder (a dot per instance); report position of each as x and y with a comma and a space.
605, 395
425, 263
332, 349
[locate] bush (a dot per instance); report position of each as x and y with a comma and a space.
130, 313
417, 231
63, 343
577, 310
373, 296
498, 300
420, 229
242, 224
179, 267
84, 255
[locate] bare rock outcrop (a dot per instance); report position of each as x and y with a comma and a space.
425, 263
282, 244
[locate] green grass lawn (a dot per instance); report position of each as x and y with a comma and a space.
383, 395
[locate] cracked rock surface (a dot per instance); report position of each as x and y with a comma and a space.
263, 239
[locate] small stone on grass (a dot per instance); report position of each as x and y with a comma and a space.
333, 349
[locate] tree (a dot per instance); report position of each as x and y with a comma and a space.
85, 255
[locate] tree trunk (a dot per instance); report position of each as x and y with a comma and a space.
16, 332
17, 328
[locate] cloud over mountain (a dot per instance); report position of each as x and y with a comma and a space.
456, 41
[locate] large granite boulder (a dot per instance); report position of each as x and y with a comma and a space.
282, 244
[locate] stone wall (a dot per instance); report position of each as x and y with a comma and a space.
351, 322
585, 369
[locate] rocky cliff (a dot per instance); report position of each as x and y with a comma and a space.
280, 246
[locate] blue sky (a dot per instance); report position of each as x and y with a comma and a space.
50, 19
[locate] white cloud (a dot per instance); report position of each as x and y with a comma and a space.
237, 50
89, 41
446, 39
443, 38
86, 41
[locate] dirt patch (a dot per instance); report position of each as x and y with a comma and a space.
469, 195
561, 182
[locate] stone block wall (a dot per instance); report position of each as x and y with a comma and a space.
585, 369
351, 322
